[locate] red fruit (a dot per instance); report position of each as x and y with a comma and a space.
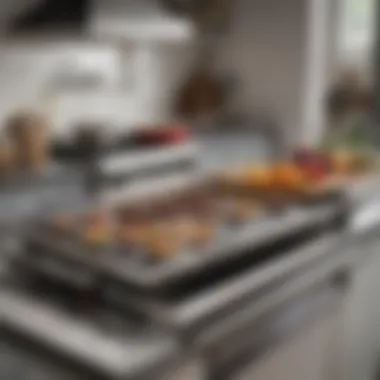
315, 170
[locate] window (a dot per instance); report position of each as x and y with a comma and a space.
357, 27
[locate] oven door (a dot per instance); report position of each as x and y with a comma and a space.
296, 339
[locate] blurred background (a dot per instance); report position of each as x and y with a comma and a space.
189, 189
126, 54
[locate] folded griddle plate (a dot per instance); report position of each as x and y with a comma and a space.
61, 258
124, 350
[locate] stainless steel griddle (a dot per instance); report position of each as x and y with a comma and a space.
62, 257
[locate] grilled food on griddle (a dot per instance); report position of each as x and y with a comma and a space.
160, 243
97, 228
132, 234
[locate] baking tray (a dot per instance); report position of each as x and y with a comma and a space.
62, 258
248, 243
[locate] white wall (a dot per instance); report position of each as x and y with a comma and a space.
265, 49
25, 69
356, 33
24, 72
285, 54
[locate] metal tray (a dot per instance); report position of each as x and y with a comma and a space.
247, 242
65, 259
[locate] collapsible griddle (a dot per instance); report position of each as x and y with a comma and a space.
232, 250
62, 257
